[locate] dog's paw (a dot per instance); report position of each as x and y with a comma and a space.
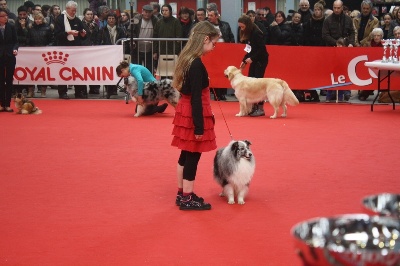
272, 116
222, 194
241, 202
231, 201
136, 115
283, 115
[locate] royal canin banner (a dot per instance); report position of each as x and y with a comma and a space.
77, 65
304, 67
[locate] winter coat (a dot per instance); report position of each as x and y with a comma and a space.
280, 34
313, 32
39, 35
338, 26
167, 28
297, 34
372, 23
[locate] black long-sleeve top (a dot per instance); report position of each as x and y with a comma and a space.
196, 79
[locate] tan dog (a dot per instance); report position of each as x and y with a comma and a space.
253, 90
25, 106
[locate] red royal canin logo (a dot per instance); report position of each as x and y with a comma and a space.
55, 58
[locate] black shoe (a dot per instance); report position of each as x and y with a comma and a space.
161, 108
222, 98
179, 197
63, 96
191, 203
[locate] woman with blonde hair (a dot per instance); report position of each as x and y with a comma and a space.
194, 121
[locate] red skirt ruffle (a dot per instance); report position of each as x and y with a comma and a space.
183, 130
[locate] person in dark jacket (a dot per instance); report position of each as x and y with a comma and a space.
280, 32
92, 31
8, 52
297, 31
338, 25
226, 36
69, 31
313, 27
109, 35
39, 34
305, 11
256, 56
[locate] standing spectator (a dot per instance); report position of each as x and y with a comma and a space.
395, 22
201, 15
92, 31
144, 28
279, 30
94, 5
387, 19
156, 10
186, 21
8, 52
226, 36
54, 11
109, 35
257, 55
35, 10
269, 17
102, 14
39, 34
29, 7
193, 123
21, 25
305, 11
11, 16
313, 27
124, 22
297, 31
167, 27
45, 11
69, 31
365, 23
338, 25
252, 15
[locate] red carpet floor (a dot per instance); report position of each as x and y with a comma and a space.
86, 183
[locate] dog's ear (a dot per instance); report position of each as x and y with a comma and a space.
247, 142
235, 150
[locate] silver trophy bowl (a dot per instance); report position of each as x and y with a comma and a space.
353, 239
385, 204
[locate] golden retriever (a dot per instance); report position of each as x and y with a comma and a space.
253, 90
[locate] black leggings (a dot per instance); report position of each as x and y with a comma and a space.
189, 161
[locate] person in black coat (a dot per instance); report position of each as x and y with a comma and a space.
280, 32
257, 55
8, 52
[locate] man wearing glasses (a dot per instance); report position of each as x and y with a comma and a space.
305, 11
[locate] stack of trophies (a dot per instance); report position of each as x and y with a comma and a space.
353, 239
393, 45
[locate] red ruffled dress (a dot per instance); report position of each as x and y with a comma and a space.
184, 124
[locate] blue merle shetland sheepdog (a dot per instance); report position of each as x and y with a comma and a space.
153, 92
234, 167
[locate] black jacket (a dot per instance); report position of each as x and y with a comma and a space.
280, 34
9, 42
313, 32
39, 35
258, 51
226, 31
60, 36
338, 26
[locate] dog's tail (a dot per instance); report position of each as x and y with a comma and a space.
37, 111
288, 94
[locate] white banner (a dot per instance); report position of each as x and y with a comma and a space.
62, 65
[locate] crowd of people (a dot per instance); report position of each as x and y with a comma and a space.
44, 25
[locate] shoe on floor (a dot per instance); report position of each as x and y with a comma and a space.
179, 197
192, 203
162, 107
258, 112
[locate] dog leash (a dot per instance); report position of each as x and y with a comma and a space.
216, 97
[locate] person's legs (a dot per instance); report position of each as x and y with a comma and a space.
2, 85
186, 175
257, 70
62, 91
10, 67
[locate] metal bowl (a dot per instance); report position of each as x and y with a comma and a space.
385, 204
353, 239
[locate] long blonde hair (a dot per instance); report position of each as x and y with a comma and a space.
192, 50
